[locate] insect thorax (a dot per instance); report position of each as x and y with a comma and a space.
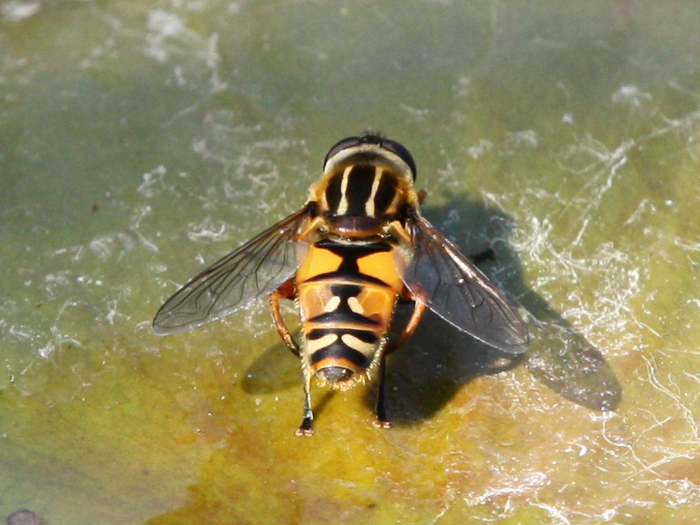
360, 197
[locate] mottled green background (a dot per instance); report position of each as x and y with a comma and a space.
142, 140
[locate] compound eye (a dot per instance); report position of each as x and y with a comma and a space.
370, 138
402, 152
340, 146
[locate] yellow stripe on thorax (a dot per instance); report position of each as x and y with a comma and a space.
369, 205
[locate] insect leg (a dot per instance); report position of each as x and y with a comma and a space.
285, 290
410, 328
382, 421
305, 427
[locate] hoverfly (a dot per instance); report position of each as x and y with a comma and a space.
357, 247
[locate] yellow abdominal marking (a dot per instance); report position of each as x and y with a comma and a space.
357, 344
317, 344
333, 304
382, 266
354, 305
318, 261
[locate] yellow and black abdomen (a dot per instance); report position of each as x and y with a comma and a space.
347, 292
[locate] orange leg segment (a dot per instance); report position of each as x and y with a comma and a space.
287, 290
410, 328
284, 291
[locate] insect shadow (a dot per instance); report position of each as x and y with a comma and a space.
426, 372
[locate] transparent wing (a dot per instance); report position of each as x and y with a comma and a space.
456, 290
254, 269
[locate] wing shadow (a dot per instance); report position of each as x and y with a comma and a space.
439, 359
276, 369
